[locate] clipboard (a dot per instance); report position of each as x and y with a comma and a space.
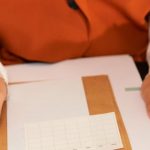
100, 99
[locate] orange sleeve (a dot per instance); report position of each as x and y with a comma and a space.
138, 10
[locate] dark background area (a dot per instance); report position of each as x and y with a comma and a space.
142, 68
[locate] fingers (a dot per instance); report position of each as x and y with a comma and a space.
1, 103
147, 103
145, 92
148, 109
3, 89
3, 92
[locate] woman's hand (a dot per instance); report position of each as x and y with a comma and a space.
3, 92
145, 92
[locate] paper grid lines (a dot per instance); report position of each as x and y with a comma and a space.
96, 132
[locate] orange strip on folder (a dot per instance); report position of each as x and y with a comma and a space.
100, 99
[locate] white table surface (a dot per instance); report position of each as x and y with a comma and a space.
23, 97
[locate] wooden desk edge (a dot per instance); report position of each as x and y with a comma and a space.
3, 128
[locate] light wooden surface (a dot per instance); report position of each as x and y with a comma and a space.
100, 99
3, 128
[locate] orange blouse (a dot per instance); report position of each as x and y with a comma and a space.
50, 30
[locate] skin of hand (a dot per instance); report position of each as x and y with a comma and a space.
3, 92
145, 92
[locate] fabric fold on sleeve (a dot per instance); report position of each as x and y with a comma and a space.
138, 10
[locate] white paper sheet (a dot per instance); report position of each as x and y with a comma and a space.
42, 101
114, 66
122, 74
96, 132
